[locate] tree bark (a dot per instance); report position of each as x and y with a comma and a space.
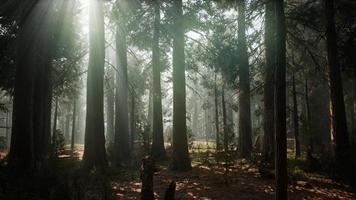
54, 130
280, 105
308, 117
295, 118
132, 120
216, 114
94, 148
339, 132
122, 135
180, 156
30, 132
73, 128
268, 124
110, 108
245, 140
158, 150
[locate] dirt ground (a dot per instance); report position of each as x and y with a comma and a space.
204, 183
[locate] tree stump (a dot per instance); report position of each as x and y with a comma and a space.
147, 170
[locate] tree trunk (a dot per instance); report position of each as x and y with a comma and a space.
158, 150
132, 120
245, 140
94, 148
295, 119
73, 128
67, 127
353, 111
268, 124
280, 105
225, 125
110, 108
54, 131
339, 132
180, 156
122, 135
216, 114
308, 117
29, 140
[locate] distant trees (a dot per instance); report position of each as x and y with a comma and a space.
94, 149
180, 157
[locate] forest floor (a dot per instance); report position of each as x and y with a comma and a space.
207, 180
244, 182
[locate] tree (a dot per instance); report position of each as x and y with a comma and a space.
72, 142
245, 140
180, 157
94, 147
158, 150
295, 118
339, 132
280, 104
32, 93
122, 137
268, 103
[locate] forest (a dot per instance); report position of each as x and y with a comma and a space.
177, 99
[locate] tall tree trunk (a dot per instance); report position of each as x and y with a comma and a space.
94, 148
216, 114
245, 139
308, 115
180, 157
339, 132
67, 127
73, 128
110, 109
54, 130
353, 111
33, 56
295, 118
122, 135
132, 120
268, 103
280, 104
158, 150
225, 124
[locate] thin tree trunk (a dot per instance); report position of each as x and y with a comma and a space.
94, 148
67, 127
295, 119
110, 111
132, 120
180, 156
226, 134
280, 105
339, 132
268, 103
54, 130
308, 117
73, 128
245, 144
216, 115
158, 150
